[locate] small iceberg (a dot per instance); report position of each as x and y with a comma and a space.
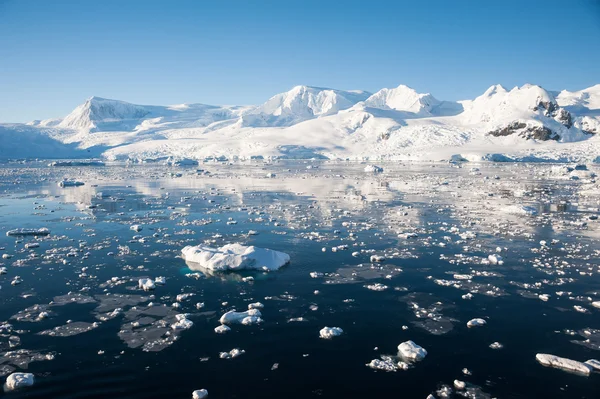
411, 351
476, 323
19, 380
330, 332
235, 257
252, 316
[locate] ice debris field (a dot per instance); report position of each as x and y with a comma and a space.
299, 279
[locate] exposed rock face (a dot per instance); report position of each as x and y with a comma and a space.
528, 132
549, 106
552, 109
563, 116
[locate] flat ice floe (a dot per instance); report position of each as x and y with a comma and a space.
235, 257
28, 232
563, 363
252, 316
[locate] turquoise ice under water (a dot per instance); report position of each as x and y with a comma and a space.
433, 225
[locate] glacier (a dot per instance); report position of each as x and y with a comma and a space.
527, 123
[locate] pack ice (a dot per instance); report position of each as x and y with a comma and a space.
235, 257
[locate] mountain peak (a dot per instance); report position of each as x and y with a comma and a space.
97, 111
302, 103
403, 98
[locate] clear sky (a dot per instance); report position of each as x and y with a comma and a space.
56, 53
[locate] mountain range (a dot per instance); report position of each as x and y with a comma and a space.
314, 122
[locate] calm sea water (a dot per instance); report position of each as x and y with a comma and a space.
460, 215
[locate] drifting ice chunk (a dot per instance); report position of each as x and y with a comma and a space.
523, 210
70, 183
377, 258
28, 232
476, 323
373, 169
495, 259
249, 317
410, 350
222, 329
385, 365
594, 364
200, 394
232, 353
183, 323
330, 332
235, 257
136, 227
563, 363
182, 162
146, 284
19, 380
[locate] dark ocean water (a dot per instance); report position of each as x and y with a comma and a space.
301, 211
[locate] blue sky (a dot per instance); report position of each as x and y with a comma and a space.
55, 54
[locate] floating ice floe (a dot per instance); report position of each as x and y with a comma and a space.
222, 329
256, 305
594, 364
373, 169
19, 380
252, 316
235, 257
563, 363
70, 183
76, 163
476, 323
200, 394
136, 227
28, 232
330, 332
411, 351
147, 284
523, 210
232, 354
182, 323
181, 162
495, 259
386, 364
377, 287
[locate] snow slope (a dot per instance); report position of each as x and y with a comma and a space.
585, 105
524, 123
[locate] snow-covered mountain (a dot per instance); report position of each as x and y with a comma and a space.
585, 105
307, 122
301, 103
404, 98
